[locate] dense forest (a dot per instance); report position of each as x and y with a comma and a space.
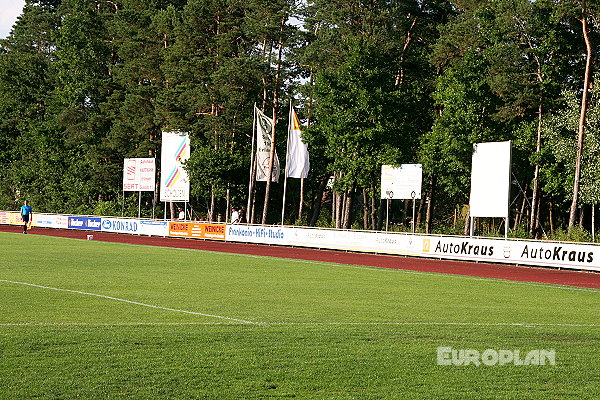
87, 83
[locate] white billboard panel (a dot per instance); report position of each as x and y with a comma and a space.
139, 174
174, 181
490, 179
402, 182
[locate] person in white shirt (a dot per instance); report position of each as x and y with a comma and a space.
181, 216
235, 216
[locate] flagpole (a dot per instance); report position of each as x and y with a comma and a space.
251, 182
286, 164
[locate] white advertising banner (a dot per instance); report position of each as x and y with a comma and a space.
402, 183
139, 174
521, 252
490, 179
154, 228
135, 226
49, 221
120, 225
174, 181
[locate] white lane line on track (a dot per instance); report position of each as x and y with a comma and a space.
238, 322
128, 301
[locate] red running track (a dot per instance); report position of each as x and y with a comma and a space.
497, 271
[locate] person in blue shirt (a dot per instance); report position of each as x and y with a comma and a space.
26, 214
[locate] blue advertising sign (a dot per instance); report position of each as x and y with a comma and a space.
85, 223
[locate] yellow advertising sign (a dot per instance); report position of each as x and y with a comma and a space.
14, 218
197, 230
426, 245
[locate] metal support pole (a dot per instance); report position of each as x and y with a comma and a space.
387, 214
413, 218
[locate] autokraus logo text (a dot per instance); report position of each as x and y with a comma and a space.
465, 248
557, 253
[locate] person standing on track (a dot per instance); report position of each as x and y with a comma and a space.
26, 214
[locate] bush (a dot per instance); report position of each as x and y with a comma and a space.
575, 234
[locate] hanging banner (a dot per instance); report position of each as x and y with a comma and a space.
139, 174
297, 162
264, 126
174, 181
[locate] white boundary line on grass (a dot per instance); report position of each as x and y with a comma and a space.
127, 301
237, 322
447, 274
407, 271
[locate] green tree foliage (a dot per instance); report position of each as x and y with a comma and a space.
371, 80
85, 84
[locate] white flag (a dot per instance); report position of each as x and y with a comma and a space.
297, 163
264, 126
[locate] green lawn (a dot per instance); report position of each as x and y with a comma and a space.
135, 322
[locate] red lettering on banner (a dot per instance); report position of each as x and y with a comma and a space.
178, 227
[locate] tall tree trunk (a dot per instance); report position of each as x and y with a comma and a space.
334, 203
551, 219
273, 131
348, 209
373, 209
538, 218
467, 231
535, 196
593, 222
400, 72
365, 200
338, 210
211, 217
380, 215
430, 204
318, 201
582, 116
522, 210
419, 214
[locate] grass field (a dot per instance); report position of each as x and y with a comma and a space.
97, 320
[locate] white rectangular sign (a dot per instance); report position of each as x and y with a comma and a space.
490, 180
174, 181
139, 174
402, 182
